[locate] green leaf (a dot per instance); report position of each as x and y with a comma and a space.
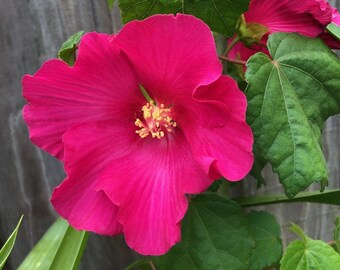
334, 30
60, 248
259, 164
336, 235
289, 98
215, 235
68, 49
220, 15
110, 3
309, 254
267, 233
141, 264
326, 197
8, 246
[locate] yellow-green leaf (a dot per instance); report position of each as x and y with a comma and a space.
60, 248
8, 246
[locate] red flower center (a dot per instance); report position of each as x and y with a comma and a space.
155, 121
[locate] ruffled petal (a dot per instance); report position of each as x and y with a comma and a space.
336, 17
320, 9
89, 148
101, 85
225, 148
173, 55
149, 187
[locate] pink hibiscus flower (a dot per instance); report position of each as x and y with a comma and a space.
336, 17
309, 18
129, 159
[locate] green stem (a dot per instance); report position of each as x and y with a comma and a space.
327, 197
231, 45
234, 61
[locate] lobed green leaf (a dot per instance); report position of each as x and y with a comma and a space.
308, 254
8, 246
290, 95
61, 247
215, 235
220, 15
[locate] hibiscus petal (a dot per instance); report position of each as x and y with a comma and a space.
172, 54
242, 52
149, 187
89, 148
95, 88
306, 17
226, 148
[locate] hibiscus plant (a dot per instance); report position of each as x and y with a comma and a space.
156, 125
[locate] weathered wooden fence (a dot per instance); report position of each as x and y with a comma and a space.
32, 31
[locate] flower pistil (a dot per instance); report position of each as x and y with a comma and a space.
155, 120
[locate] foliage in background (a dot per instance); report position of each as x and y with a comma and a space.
222, 16
110, 3
68, 49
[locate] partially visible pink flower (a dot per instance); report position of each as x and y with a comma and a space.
242, 52
327, 37
336, 17
130, 161
309, 18
305, 17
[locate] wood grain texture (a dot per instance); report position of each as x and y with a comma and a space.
32, 31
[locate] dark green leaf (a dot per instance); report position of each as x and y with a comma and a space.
8, 246
326, 197
309, 254
259, 164
289, 98
220, 15
68, 49
216, 185
60, 248
334, 30
266, 232
110, 3
139, 10
215, 235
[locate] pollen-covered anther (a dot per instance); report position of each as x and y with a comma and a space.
155, 121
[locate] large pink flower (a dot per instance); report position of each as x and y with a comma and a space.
308, 17
130, 161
